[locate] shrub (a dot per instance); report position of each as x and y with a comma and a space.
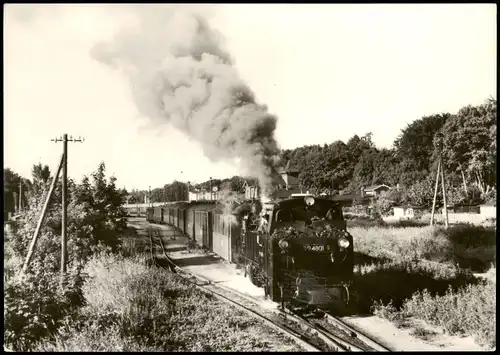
36, 304
394, 281
384, 206
470, 310
466, 245
128, 304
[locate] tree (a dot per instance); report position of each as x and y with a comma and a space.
414, 147
364, 169
469, 144
102, 205
40, 173
385, 168
421, 193
35, 305
338, 165
11, 191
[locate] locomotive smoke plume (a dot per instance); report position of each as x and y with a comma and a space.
180, 74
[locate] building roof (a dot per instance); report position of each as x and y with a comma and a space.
275, 178
375, 187
290, 180
289, 169
411, 206
349, 197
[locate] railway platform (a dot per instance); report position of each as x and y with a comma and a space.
209, 265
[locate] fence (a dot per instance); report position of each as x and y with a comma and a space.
455, 218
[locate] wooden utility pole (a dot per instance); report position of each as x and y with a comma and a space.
435, 193
64, 251
42, 217
440, 173
20, 196
210, 188
445, 205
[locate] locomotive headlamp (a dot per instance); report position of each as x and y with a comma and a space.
343, 243
309, 200
283, 244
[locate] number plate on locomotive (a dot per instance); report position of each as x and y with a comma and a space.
314, 247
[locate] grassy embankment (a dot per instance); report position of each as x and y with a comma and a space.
427, 273
132, 305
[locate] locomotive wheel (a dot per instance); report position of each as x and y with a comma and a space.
342, 307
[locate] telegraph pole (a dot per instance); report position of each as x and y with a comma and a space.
64, 251
20, 195
444, 192
440, 174
210, 188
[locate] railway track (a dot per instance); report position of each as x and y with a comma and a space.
374, 344
325, 334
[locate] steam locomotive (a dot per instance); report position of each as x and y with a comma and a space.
297, 249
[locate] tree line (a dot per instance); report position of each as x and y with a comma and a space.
38, 304
178, 189
466, 139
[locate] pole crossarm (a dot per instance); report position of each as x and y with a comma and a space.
70, 139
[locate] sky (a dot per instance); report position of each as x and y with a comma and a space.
326, 71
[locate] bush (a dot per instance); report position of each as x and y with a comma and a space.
128, 304
384, 206
36, 304
468, 246
395, 281
418, 272
468, 311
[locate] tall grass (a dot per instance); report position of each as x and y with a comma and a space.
426, 273
471, 310
468, 246
395, 281
130, 306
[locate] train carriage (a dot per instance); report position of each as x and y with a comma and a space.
203, 228
171, 216
226, 232
150, 214
158, 215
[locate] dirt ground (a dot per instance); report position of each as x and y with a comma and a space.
220, 271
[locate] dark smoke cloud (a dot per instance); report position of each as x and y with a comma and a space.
181, 74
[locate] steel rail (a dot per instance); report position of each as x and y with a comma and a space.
207, 286
327, 337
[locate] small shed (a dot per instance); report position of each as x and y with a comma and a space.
376, 190
488, 210
465, 208
407, 212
